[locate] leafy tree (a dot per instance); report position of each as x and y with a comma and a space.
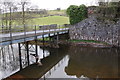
76, 13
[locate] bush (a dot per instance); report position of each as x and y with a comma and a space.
76, 13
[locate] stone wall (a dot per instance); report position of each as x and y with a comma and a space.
92, 29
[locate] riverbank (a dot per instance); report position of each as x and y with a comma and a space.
81, 43
90, 43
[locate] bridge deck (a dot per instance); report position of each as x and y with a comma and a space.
6, 39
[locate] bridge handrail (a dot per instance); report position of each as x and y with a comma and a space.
28, 35
32, 28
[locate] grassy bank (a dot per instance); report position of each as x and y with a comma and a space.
89, 41
45, 39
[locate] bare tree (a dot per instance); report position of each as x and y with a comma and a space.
23, 4
8, 10
1, 11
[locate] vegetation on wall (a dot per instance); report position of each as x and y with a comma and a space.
108, 11
76, 13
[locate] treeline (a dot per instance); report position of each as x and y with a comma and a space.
104, 11
109, 11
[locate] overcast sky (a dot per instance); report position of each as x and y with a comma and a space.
63, 4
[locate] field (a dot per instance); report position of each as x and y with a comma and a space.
51, 20
44, 21
54, 12
59, 20
52, 17
58, 17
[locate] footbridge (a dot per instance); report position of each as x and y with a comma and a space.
15, 44
18, 37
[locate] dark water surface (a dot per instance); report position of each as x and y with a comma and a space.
74, 62
88, 62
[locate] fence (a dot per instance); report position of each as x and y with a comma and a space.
27, 28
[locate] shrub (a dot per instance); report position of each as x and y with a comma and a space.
76, 13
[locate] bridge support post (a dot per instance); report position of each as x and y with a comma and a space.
27, 47
57, 37
49, 37
43, 42
54, 37
20, 60
36, 48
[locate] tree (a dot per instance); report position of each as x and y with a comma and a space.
8, 6
23, 4
0, 11
76, 13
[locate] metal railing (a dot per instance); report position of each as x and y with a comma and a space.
4, 29
34, 32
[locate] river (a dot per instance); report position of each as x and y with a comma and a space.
64, 62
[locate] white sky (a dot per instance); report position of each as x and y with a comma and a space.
63, 4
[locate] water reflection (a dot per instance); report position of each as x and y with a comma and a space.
64, 62
9, 58
87, 63
93, 62
57, 71
48, 63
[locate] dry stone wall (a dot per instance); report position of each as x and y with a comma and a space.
92, 29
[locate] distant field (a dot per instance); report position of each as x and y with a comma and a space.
53, 12
44, 21
56, 17
59, 20
51, 20
33, 18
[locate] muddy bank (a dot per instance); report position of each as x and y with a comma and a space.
70, 43
89, 44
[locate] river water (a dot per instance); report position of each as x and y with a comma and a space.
64, 62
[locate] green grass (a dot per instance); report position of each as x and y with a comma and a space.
51, 20
53, 12
59, 20
44, 21
36, 19
45, 39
